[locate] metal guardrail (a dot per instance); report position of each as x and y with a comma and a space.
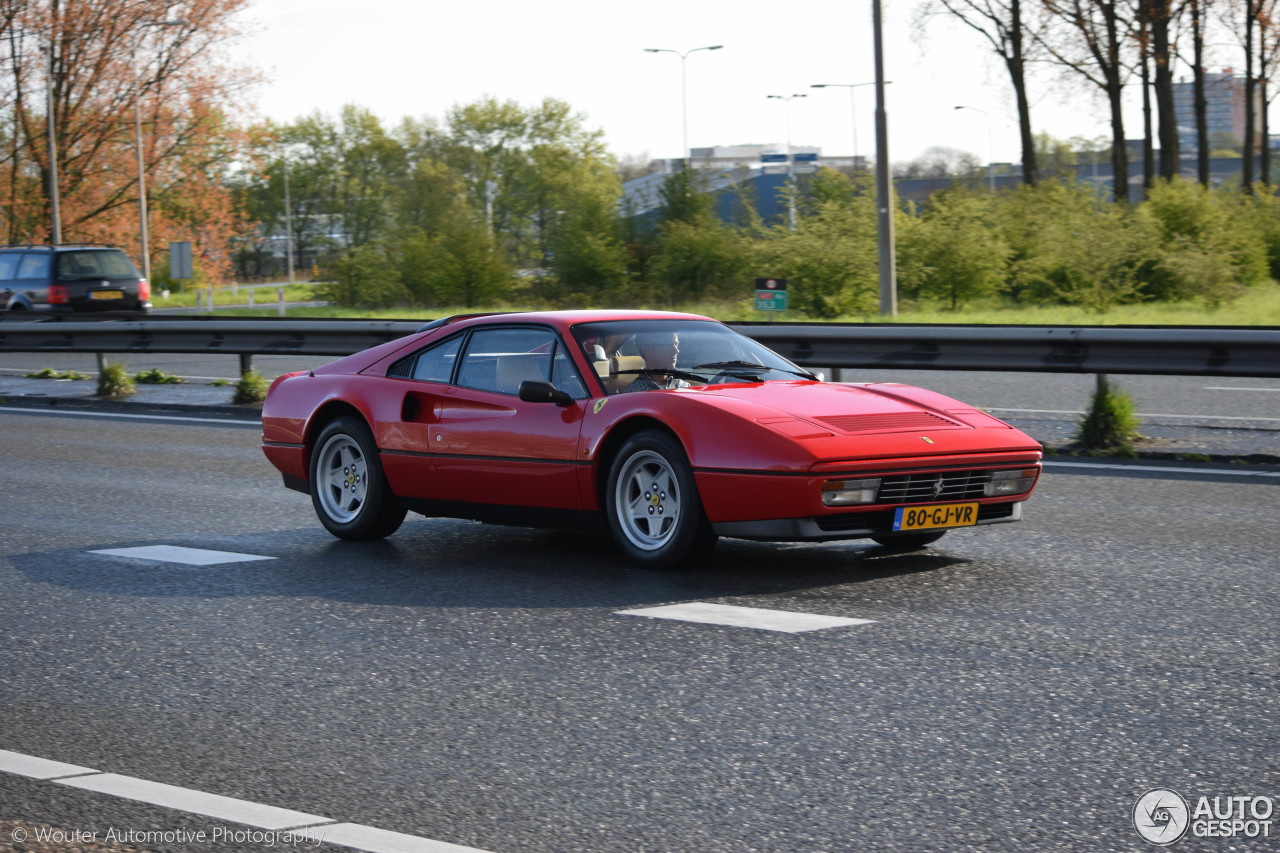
1169, 350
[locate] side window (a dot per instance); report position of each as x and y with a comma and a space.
8, 265
565, 377
436, 364
500, 359
34, 265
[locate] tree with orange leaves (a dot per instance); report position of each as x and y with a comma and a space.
108, 68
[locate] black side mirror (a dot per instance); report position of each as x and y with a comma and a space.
537, 391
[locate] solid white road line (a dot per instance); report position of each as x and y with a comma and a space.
1223, 388
745, 617
196, 802
1227, 472
177, 554
57, 411
38, 768
376, 840
1139, 414
324, 829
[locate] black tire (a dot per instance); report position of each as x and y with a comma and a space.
652, 502
908, 541
348, 488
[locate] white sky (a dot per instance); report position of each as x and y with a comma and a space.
408, 57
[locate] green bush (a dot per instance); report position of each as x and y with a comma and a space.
115, 381
252, 388
156, 376
50, 373
1110, 424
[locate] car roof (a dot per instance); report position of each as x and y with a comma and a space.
562, 319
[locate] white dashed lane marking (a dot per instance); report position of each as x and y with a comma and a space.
746, 617
324, 829
178, 554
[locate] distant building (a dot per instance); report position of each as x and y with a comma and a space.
1224, 107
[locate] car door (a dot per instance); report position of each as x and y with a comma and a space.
487, 445
8, 269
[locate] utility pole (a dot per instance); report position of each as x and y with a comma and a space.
884, 186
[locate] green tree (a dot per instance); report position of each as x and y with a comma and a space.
953, 253
830, 260
365, 277
456, 265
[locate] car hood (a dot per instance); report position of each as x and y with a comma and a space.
844, 420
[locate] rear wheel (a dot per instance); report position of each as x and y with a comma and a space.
908, 541
348, 488
652, 503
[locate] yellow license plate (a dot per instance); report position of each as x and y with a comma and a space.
106, 294
935, 515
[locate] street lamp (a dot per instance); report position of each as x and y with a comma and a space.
991, 181
55, 216
853, 106
791, 168
137, 128
684, 98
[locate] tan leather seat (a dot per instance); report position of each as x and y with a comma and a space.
617, 364
514, 369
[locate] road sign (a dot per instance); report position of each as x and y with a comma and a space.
773, 158
806, 157
771, 294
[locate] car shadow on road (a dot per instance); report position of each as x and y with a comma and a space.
443, 563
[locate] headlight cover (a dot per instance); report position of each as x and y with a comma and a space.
1014, 482
850, 492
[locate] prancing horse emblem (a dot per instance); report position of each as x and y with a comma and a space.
926, 439
937, 486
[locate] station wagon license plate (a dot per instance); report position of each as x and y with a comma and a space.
935, 515
106, 294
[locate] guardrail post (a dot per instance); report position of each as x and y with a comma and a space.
250, 297
102, 363
246, 363
280, 299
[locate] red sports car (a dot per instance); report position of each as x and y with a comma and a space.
669, 430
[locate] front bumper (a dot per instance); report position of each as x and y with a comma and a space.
854, 525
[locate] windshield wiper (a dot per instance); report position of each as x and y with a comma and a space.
754, 367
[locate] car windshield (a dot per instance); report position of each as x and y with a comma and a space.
645, 355
95, 264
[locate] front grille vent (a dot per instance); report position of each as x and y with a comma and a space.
889, 421
924, 488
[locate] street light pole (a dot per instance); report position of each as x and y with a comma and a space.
55, 215
684, 98
791, 166
884, 186
288, 220
143, 236
991, 149
853, 107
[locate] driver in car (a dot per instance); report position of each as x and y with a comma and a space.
659, 351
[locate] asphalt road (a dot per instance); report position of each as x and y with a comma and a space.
1019, 687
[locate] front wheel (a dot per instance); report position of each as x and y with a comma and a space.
652, 503
348, 489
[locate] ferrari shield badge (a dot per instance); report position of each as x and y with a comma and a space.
599, 405
926, 439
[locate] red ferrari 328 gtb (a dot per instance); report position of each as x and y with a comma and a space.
669, 430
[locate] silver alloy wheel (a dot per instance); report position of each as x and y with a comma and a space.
647, 500
342, 478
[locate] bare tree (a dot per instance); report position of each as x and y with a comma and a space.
1003, 24
1092, 45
